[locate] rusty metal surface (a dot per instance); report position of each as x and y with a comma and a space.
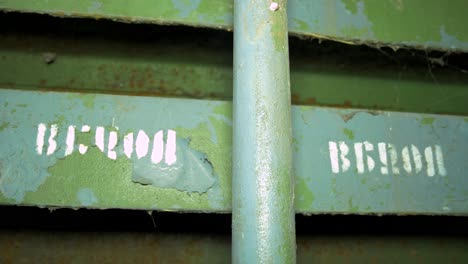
31, 235
105, 57
25, 246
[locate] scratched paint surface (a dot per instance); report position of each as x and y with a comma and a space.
432, 182
426, 23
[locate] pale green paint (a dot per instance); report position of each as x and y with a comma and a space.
427, 24
192, 171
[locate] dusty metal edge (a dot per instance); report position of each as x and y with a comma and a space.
302, 35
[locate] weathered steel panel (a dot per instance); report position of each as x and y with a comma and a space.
355, 161
343, 158
398, 23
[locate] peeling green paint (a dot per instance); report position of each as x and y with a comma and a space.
351, 5
352, 207
4, 125
218, 152
304, 195
300, 24
192, 171
86, 99
349, 133
427, 121
363, 180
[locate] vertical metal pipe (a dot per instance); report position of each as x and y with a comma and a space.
263, 185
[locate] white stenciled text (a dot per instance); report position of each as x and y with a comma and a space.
386, 158
139, 146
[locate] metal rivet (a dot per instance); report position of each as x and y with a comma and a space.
274, 6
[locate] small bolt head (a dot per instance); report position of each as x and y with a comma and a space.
274, 6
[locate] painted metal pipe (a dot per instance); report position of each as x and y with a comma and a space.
263, 186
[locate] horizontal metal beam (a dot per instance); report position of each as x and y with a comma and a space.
109, 151
371, 22
347, 77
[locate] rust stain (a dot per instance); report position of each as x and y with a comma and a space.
311, 101
347, 117
347, 104
101, 67
295, 98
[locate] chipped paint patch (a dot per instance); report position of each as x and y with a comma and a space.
355, 22
449, 40
340, 19
351, 6
21, 169
300, 24
86, 197
349, 133
96, 7
4, 125
186, 7
191, 172
304, 194
427, 121
86, 99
